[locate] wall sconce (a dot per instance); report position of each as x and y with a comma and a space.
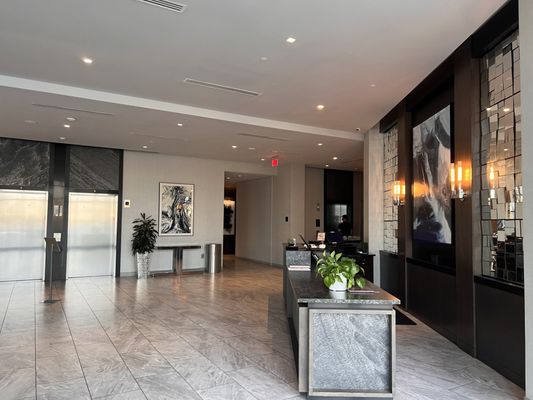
460, 180
398, 193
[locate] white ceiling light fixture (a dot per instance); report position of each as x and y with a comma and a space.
335, 158
320, 144
62, 138
372, 85
234, 147
263, 58
251, 148
262, 159
506, 109
144, 146
167, 5
30, 121
357, 129
179, 124
70, 119
87, 60
290, 40
327, 165
320, 107
66, 126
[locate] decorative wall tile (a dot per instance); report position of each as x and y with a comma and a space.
24, 163
390, 171
94, 168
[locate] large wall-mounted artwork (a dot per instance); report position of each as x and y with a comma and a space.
229, 217
432, 212
176, 209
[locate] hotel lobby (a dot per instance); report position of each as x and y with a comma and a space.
248, 201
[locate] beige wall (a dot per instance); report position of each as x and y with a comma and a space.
142, 174
314, 201
253, 239
526, 69
373, 195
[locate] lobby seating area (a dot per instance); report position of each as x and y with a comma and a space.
193, 337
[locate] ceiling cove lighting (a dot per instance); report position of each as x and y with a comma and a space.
87, 60
290, 40
320, 107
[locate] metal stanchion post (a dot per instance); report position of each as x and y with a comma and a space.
52, 243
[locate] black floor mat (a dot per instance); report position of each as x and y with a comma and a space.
402, 319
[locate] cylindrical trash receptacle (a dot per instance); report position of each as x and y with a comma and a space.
213, 262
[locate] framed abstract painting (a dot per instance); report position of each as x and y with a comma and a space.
176, 209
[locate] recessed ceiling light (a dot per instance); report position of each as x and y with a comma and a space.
62, 138
320, 144
144, 146
327, 165
320, 107
71, 119
262, 159
506, 109
357, 129
290, 40
227, 177
66, 125
372, 85
87, 60
180, 124
251, 148
30, 121
335, 158
263, 58
233, 147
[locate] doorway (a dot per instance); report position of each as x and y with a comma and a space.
92, 235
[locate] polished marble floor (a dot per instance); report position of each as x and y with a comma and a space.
195, 337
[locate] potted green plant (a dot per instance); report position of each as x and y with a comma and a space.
143, 243
340, 273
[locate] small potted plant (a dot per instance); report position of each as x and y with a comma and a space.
143, 243
340, 273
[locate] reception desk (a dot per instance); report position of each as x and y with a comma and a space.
344, 342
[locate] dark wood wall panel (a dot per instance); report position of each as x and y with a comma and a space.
500, 331
431, 297
392, 274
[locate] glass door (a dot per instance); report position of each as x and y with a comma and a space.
22, 232
92, 234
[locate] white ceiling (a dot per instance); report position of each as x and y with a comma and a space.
143, 53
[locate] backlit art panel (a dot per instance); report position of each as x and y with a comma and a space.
176, 209
432, 215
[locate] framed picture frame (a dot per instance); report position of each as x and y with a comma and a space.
176, 209
432, 206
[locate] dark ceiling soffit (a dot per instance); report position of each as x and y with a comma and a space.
497, 28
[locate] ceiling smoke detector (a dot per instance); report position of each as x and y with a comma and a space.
167, 5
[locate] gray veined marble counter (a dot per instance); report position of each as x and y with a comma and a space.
346, 342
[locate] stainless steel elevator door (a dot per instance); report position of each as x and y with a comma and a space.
22, 229
92, 234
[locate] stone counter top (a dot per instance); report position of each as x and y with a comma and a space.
309, 288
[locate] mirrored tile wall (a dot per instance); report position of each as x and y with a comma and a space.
390, 171
501, 163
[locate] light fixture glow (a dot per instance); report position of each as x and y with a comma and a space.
505, 149
144, 146
71, 119
335, 158
460, 180
62, 138
372, 85
506, 109
30, 121
320, 144
251, 148
87, 60
66, 126
489, 108
264, 58
327, 165
320, 107
179, 124
233, 147
290, 40
262, 159
228, 177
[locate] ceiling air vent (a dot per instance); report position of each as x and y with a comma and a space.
221, 87
72, 109
277, 139
167, 5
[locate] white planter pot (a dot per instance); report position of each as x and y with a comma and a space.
339, 286
143, 265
